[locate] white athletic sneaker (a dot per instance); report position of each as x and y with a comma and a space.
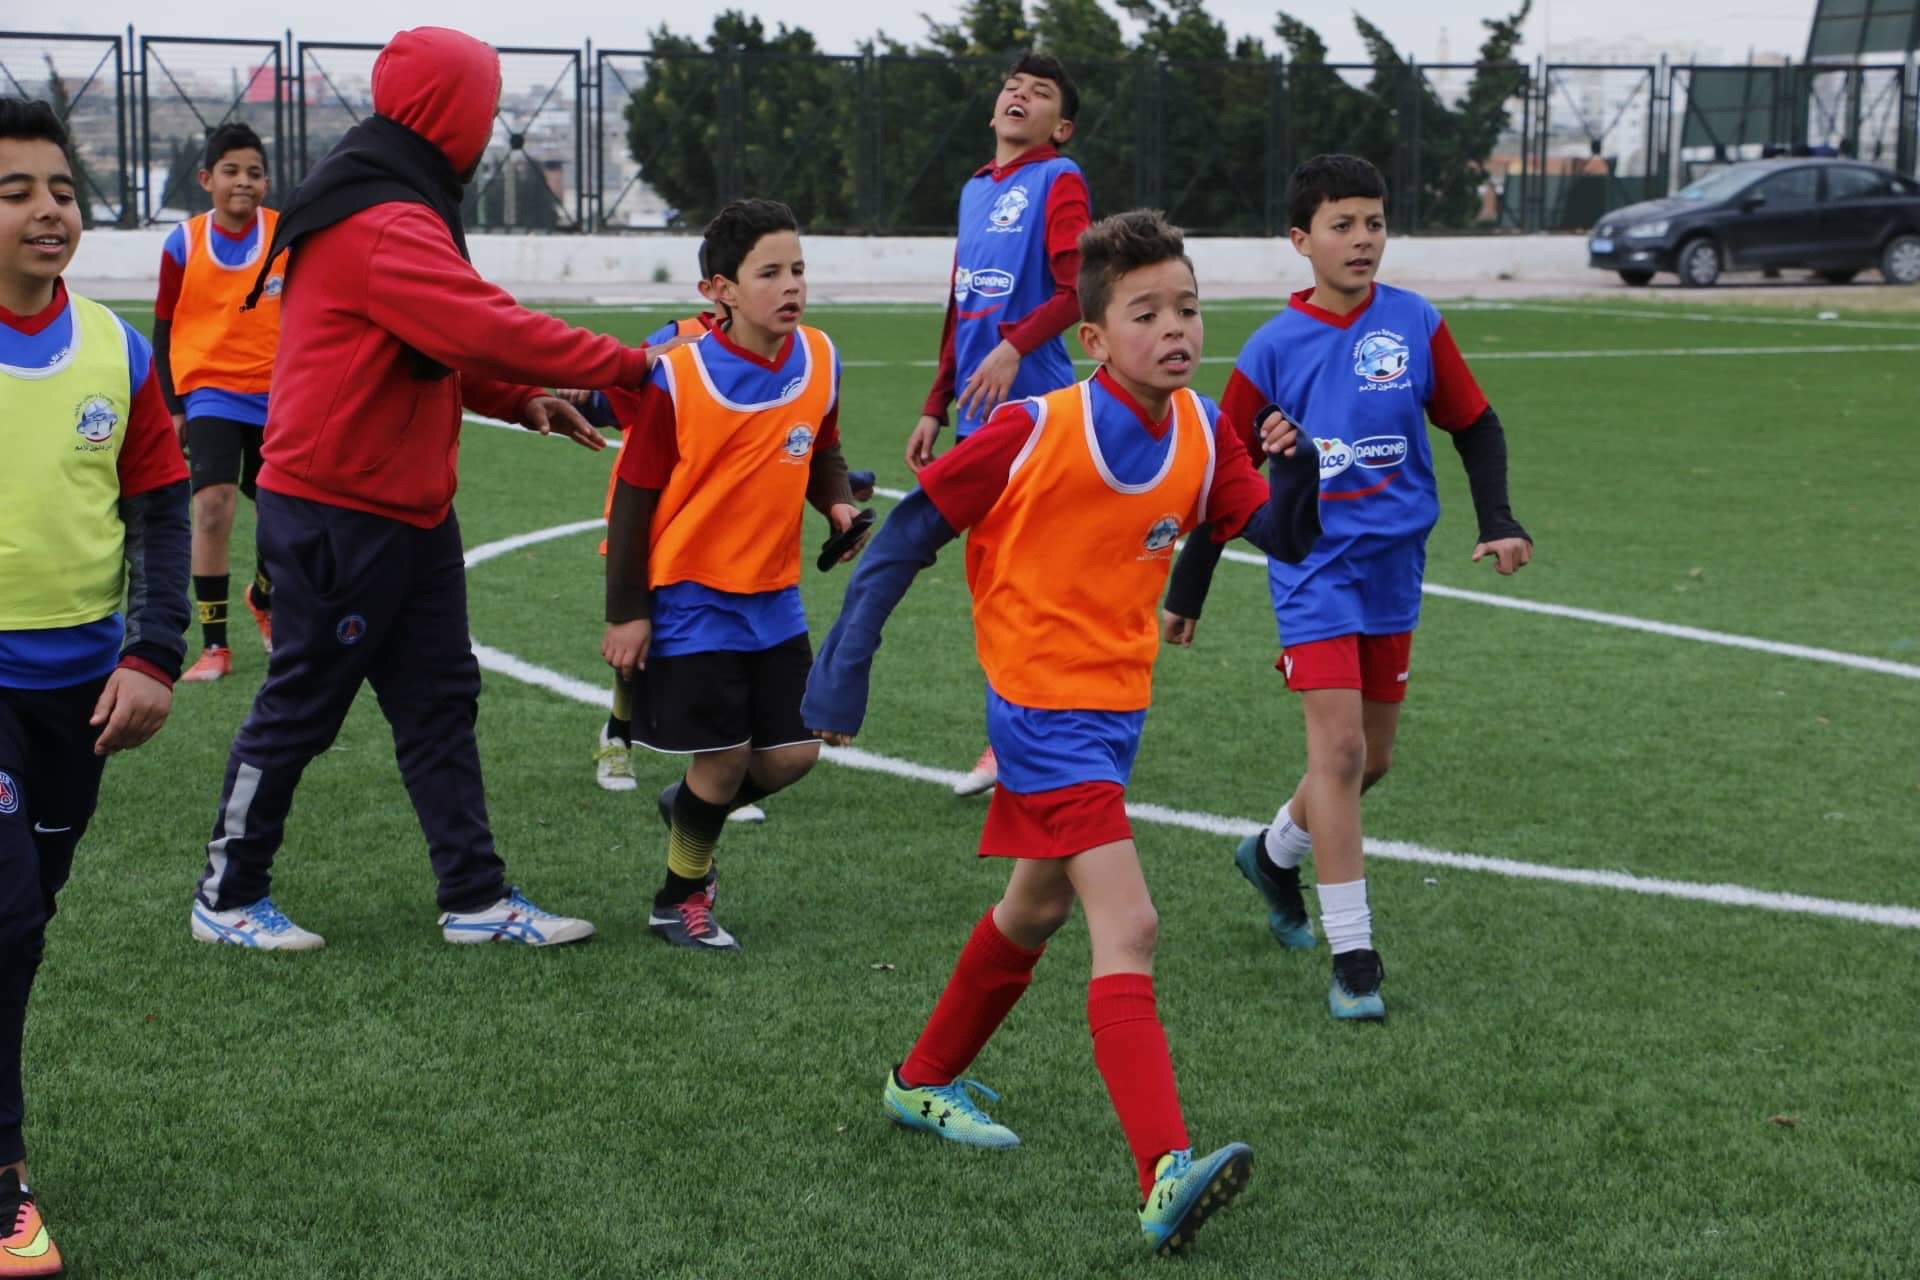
613, 764
513, 919
748, 813
986, 772
259, 925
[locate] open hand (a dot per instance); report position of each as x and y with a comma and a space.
1509, 554
987, 388
550, 415
1175, 629
926, 433
625, 646
133, 706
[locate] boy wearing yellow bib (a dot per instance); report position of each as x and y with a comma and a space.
1073, 502
216, 363
93, 586
734, 436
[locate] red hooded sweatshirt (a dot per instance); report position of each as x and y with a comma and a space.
347, 422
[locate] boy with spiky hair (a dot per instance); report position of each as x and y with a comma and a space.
1364, 367
1016, 267
731, 439
1073, 501
216, 362
93, 586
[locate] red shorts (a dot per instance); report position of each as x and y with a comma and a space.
1375, 665
1057, 823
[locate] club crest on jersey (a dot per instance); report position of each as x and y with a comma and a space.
9, 793
1006, 211
1335, 456
1380, 357
95, 419
799, 444
274, 285
1161, 537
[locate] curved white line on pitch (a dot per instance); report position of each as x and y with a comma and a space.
1732, 895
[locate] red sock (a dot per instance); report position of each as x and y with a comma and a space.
991, 975
1130, 1048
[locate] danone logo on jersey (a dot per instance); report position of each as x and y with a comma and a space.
988, 282
1380, 451
1161, 537
1335, 456
94, 421
1381, 357
799, 444
1006, 211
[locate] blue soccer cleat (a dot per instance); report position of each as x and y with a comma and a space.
1186, 1192
1286, 910
947, 1111
1355, 992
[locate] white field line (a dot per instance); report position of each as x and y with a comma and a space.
1662, 312
1732, 895
1626, 622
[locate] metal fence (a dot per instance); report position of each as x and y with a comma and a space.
640, 139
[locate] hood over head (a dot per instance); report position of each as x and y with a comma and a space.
445, 86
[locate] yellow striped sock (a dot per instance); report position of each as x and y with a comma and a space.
688, 856
622, 698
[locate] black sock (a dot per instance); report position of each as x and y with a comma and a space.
210, 601
750, 792
677, 890
262, 591
621, 729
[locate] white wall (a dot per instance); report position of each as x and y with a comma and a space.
122, 264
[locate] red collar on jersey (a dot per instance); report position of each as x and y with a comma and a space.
1034, 156
1299, 303
39, 320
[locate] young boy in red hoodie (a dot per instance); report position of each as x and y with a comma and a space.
386, 333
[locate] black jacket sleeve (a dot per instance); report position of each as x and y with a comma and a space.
158, 542
1483, 452
163, 362
629, 546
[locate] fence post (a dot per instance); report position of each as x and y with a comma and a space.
1276, 167
580, 144
1410, 96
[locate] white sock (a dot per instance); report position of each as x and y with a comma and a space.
1287, 842
1344, 916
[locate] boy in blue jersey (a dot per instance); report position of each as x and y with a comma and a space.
1016, 271
1362, 367
215, 362
93, 585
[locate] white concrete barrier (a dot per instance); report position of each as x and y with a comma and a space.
124, 264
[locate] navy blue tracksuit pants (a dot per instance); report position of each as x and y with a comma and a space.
359, 597
49, 783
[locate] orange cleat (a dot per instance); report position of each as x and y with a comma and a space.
986, 772
262, 618
26, 1249
214, 663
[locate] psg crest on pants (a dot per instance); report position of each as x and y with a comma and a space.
9, 793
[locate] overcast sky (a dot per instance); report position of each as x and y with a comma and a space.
1713, 29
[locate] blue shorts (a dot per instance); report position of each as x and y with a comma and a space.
1352, 592
1041, 750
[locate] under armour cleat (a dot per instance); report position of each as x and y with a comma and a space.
947, 1110
1186, 1192
1355, 991
1287, 917
260, 926
513, 919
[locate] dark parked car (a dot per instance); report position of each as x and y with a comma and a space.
1835, 217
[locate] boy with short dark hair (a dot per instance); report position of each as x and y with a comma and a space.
728, 442
93, 586
1016, 267
1364, 367
1073, 502
216, 362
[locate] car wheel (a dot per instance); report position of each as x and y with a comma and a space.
1838, 277
1636, 278
1699, 263
1900, 260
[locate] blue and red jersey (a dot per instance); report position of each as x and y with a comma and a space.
1363, 385
1016, 268
691, 616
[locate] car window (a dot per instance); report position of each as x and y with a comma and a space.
1789, 190
1857, 184
1717, 185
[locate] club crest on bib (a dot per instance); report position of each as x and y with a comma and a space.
274, 286
1161, 537
799, 443
95, 419
1380, 357
1006, 211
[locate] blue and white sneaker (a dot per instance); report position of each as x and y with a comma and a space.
947, 1111
513, 919
1287, 916
1186, 1192
1355, 991
259, 925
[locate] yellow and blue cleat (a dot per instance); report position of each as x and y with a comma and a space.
1186, 1192
947, 1110
1286, 908
1354, 994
